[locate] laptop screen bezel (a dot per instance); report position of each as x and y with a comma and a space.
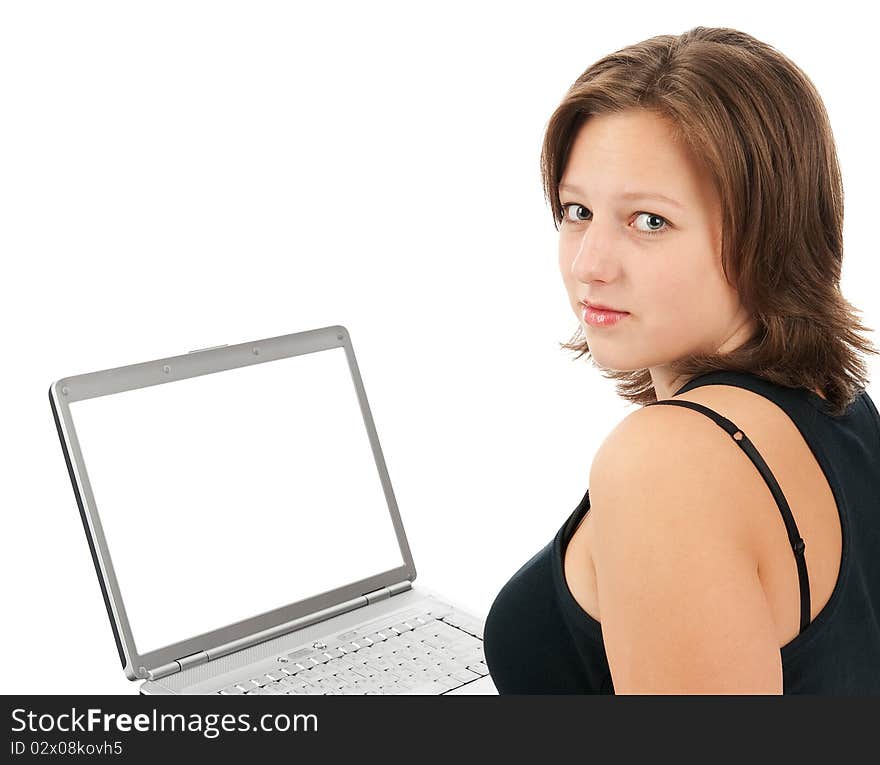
68, 390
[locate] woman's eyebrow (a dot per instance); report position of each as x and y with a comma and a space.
629, 195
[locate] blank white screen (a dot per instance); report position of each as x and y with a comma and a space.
230, 494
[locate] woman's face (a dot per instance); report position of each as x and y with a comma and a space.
671, 281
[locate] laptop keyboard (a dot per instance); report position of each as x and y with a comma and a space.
427, 650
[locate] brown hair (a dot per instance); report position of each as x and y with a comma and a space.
757, 123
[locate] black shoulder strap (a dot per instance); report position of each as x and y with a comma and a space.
797, 544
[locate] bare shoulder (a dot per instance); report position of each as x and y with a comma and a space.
657, 431
673, 455
664, 432
682, 603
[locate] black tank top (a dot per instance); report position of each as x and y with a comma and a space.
538, 639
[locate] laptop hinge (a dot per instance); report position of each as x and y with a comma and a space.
383, 593
184, 662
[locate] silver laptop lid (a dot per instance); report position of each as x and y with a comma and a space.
229, 493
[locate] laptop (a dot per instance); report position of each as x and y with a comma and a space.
245, 534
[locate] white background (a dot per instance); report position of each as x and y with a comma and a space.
175, 175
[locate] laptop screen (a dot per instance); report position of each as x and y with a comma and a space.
226, 495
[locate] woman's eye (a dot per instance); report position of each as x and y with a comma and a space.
571, 206
653, 218
657, 224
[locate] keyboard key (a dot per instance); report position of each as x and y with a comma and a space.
449, 682
474, 628
327, 684
465, 675
389, 676
311, 676
232, 690
439, 610
454, 617
400, 686
424, 688
440, 628
480, 668
363, 686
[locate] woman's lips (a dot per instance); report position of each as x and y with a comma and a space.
597, 317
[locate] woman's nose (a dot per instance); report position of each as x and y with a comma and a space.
595, 256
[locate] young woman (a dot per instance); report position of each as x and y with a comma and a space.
730, 538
